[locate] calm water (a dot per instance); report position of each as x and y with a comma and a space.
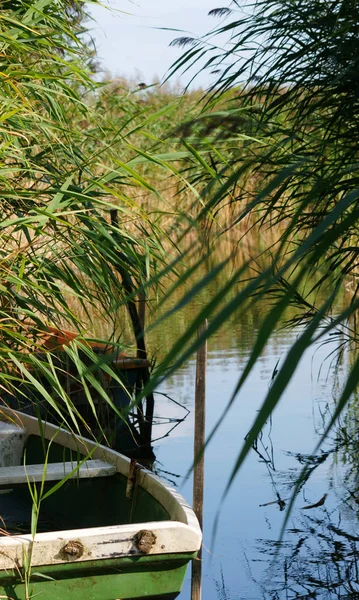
318, 556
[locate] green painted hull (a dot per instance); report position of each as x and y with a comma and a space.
120, 579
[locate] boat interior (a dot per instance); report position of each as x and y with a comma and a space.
70, 490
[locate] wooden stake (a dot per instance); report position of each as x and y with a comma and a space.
198, 472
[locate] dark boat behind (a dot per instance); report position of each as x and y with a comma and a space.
106, 409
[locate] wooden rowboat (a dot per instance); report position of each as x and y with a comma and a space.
126, 428
79, 520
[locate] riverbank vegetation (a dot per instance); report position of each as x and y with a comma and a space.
113, 192
297, 64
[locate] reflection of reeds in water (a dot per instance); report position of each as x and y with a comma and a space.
319, 555
319, 559
221, 589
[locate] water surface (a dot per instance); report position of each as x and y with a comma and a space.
317, 558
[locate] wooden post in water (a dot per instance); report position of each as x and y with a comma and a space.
198, 471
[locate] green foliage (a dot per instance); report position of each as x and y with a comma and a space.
64, 257
105, 188
288, 77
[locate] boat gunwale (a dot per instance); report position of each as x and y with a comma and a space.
97, 543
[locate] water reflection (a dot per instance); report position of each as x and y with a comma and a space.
318, 557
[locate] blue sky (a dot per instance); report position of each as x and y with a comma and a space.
130, 43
